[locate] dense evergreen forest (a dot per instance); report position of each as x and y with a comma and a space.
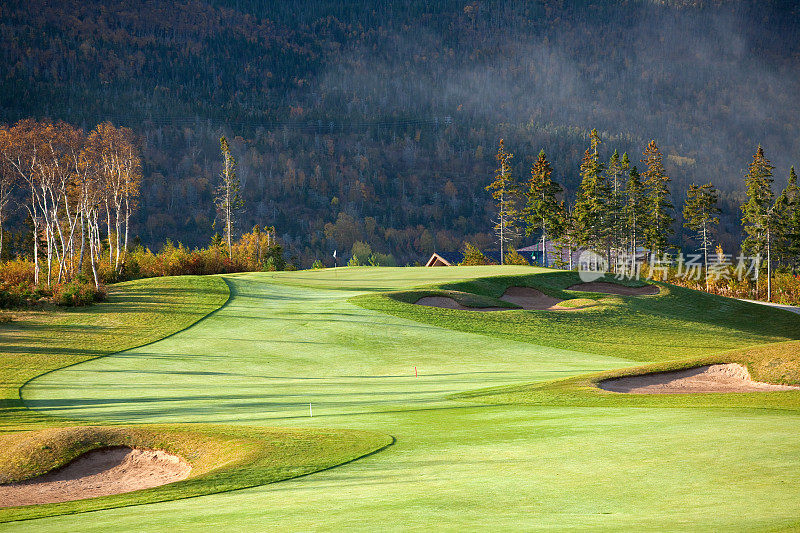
379, 121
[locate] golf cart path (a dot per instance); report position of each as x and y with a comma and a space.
791, 308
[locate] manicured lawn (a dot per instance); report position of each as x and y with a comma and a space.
223, 458
135, 313
677, 323
461, 460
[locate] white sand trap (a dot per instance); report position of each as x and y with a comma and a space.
528, 298
98, 473
729, 377
614, 288
448, 303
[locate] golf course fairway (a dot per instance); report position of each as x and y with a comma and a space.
290, 345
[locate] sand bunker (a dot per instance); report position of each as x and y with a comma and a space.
524, 297
613, 288
729, 377
528, 298
98, 473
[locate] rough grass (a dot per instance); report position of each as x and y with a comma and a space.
223, 458
677, 323
135, 313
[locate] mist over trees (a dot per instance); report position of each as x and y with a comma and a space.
377, 122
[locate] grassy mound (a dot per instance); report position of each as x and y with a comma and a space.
676, 323
222, 458
774, 363
467, 299
577, 303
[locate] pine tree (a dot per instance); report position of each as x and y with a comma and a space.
228, 198
541, 210
568, 240
635, 210
614, 172
757, 212
505, 192
659, 204
701, 215
591, 205
625, 162
787, 223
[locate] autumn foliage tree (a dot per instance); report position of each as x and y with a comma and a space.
68, 181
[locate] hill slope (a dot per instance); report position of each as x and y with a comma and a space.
378, 120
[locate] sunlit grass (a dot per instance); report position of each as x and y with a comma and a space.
223, 458
677, 323
135, 313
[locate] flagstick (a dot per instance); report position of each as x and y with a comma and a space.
310, 412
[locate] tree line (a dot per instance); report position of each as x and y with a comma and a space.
386, 114
77, 193
619, 211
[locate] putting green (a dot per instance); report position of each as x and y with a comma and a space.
286, 340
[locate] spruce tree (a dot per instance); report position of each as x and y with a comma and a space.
591, 205
542, 210
757, 211
701, 214
505, 193
659, 204
787, 223
568, 240
634, 211
614, 220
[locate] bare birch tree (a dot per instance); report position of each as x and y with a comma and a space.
228, 199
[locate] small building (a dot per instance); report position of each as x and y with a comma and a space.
534, 254
444, 259
455, 258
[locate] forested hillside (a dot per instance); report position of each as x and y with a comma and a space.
379, 121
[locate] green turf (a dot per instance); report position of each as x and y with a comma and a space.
677, 323
135, 313
288, 339
223, 458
